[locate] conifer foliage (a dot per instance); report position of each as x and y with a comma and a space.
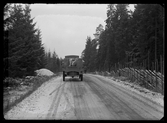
129, 38
23, 49
53, 62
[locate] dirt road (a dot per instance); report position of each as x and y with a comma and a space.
93, 98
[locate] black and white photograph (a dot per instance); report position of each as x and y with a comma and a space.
83, 61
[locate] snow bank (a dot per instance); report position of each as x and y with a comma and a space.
134, 87
154, 96
43, 72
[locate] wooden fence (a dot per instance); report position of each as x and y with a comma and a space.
148, 74
146, 78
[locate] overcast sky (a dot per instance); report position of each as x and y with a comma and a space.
65, 27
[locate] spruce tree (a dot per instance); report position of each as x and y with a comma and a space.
25, 51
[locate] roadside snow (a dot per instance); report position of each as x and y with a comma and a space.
36, 105
154, 96
44, 72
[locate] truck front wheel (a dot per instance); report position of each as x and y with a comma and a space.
63, 76
81, 77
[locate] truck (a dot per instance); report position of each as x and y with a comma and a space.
72, 66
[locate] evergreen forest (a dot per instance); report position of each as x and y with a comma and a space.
129, 38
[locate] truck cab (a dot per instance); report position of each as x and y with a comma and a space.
72, 66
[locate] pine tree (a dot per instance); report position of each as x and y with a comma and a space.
148, 27
7, 25
101, 54
128, 38
87, 54
24, 44
53, 63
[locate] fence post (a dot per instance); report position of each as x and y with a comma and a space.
161, 68
148, 59
152, 75
162, 77
115, 69
156, 75
139, 71
144, 73
128, 72
134, 73
147, 76
137, 74
122, 70
131, 73
157, 65
119, 67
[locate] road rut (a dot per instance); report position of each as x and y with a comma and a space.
94, 98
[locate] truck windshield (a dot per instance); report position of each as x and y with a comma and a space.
73, 62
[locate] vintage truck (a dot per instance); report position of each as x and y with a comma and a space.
72, 66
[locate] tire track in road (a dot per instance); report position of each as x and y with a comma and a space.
66, 105
68, 113
86, 103
77, 110
81, 107
141, 104
97, 109
144, 99
128, 98
53, 108
117, 107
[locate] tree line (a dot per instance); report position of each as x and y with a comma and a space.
23, 51
53, 62
129, 38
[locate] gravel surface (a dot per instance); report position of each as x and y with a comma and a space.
154, 96
95, 97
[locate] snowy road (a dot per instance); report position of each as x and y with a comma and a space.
93, 98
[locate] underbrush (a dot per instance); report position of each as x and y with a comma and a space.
16, 90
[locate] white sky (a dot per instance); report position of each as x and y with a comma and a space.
65, 27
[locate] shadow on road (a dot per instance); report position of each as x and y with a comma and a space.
76, 79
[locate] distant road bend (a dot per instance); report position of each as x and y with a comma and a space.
93, 98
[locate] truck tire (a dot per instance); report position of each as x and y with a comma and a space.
63, 76
81, 77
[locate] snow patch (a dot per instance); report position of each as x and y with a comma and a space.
134, 87
44, 72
